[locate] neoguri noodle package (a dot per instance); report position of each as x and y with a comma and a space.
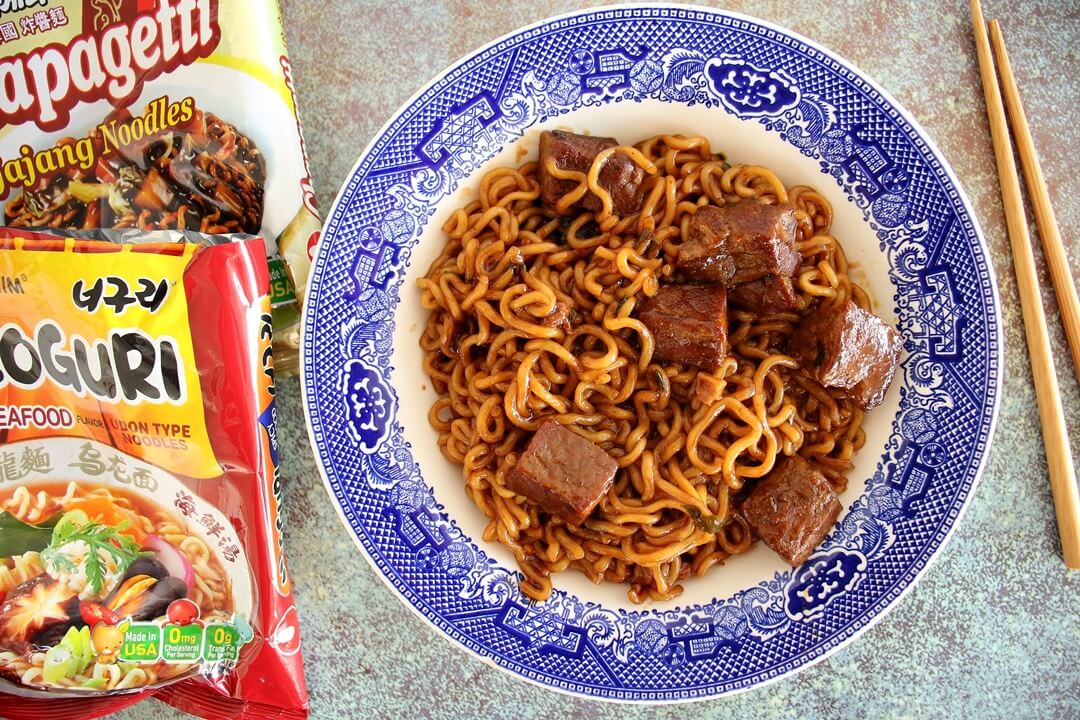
140, 537
158, 114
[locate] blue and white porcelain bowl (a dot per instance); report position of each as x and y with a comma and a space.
762, 95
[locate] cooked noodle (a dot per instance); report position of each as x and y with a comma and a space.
500, 371
22, 568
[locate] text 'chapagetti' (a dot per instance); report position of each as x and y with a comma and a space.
43, 85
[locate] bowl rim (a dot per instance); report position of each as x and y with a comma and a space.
995, 326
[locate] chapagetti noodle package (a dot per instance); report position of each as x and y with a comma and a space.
140, 537
158, 114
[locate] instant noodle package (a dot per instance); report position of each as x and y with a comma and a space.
159, 220
140, 537
158, 114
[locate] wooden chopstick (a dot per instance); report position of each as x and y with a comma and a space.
1067, 300
1051, 413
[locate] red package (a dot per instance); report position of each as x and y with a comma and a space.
140, 538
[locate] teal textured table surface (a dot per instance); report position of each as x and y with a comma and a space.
992, 630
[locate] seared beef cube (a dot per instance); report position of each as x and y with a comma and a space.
562, 472
620, 175
738, 243
765, 296
688, 324
840, 345
792, 509
569, 152
870, 391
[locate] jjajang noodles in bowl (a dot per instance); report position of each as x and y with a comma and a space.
646, 359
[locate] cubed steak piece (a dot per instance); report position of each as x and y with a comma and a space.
738, 243
792, 509
764, 296
870, 391
562, 472
688, 324
843, 346
620, 175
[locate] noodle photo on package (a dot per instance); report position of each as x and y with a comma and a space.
646, 359
203, 175
109, 556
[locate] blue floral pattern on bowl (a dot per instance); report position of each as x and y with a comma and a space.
945, 300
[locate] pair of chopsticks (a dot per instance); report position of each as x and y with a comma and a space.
1052, 416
